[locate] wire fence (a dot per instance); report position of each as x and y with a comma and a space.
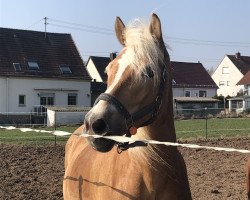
189, 123
211, 122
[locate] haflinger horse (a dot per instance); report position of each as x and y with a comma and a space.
138, 104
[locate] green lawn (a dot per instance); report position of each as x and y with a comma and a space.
19, 137
185, 129
227, 127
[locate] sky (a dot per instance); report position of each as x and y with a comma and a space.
195, 30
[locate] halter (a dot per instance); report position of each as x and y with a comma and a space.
151, 109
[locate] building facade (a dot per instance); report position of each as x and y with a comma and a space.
229, 72
39, 70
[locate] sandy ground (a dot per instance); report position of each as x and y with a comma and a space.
29, 172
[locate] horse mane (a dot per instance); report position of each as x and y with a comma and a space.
151, 154
143, 49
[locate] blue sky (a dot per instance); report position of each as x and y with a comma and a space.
195, 30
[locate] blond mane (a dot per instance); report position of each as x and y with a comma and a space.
142, 49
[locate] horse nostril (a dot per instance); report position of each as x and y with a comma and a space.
99, 126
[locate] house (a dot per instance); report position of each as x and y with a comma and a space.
239, 104
245, 82
229, 72
38, 69
192, 80
96, 67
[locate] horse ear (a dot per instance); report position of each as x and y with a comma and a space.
155, 26
119, 29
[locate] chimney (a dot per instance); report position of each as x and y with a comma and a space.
112, 56
237, 55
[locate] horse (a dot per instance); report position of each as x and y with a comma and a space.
137, 103
248, 178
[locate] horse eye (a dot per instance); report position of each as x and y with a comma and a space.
149, 72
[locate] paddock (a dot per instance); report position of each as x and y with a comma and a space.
36, 172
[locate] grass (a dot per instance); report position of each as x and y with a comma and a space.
185, 129
226, 127
34, 138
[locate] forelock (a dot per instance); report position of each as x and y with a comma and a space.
142, 48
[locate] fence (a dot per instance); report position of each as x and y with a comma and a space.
189, 123
211, 122
23, 118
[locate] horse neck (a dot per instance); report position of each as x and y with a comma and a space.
162, 129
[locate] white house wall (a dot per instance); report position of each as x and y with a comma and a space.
93, 71
3, 94
180, 92
232, 78
28, 87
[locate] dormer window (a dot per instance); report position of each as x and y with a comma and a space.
33, 65
65, 69
17, 67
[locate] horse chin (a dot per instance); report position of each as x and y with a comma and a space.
101, 144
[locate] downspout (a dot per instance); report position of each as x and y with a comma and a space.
7, 95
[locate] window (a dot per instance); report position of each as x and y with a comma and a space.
187, 93
72, 99
247, 104
225, 70
47, 99
65, 69
33, 65
17, 67
221, 83
202, 93
22, 100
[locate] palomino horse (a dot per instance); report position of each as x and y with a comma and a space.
248, 178
137, 102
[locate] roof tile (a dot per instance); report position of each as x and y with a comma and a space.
21, 46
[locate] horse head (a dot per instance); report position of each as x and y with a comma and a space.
135, 86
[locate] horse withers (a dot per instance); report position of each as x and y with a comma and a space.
138, 103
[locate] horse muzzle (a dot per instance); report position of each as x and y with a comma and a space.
105, 124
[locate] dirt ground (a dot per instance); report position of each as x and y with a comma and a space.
29, 172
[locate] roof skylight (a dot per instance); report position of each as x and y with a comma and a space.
17, 67
65, 69
33, 65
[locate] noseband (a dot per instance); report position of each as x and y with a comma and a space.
151, 109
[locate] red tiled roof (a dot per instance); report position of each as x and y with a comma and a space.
21, 46
245, 80
187, 74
